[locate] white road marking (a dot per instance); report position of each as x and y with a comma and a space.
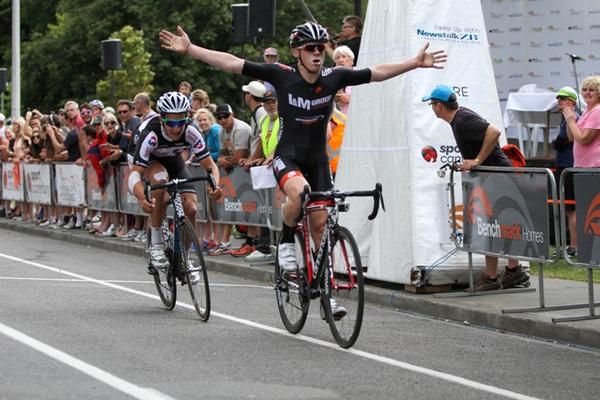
24, 278
88, 369
374, 357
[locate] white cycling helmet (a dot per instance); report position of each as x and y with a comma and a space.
173, 103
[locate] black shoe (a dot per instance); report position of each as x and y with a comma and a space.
152, 270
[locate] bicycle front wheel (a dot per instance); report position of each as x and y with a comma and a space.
344, 289
164, 279
291, 289
195, 269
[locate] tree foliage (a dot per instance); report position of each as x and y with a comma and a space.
135, 76
61, 56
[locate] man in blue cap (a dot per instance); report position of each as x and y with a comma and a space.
477, 141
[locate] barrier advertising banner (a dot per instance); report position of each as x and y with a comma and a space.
12, 182
101, 198
587, 196
506, 213
38, 184
243, 205
201, 213
70, 184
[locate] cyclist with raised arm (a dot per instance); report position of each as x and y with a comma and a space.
305, 93
158, 159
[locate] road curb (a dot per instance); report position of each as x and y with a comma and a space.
389, 298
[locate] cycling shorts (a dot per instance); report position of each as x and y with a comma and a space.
176, 168
314, 168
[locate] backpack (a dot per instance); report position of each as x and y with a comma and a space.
514, 155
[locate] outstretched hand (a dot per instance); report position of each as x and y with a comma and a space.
179, 43
432, 59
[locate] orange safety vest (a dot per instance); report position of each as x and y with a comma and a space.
334, 144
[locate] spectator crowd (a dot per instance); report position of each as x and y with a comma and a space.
102, 137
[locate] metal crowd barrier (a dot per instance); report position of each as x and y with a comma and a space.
587, 198
505, 215
71, 185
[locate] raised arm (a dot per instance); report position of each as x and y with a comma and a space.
581, 135
423, 59
180, 43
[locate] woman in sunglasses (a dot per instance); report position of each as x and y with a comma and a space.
158, 159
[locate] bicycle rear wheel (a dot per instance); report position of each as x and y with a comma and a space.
164, 279
344, 289
291, 289
195, 269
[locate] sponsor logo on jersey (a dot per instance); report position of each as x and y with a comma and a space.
326, 71
307, 121
308, 104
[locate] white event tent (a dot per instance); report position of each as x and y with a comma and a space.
389, 127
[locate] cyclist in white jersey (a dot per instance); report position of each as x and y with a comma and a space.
158, 159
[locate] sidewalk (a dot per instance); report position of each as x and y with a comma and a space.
474, 310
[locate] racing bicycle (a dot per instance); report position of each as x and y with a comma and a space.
183, 252
332, 273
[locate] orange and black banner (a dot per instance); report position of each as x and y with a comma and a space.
587, 199
241, 204
506, 214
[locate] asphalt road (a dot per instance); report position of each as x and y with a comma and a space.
82, 323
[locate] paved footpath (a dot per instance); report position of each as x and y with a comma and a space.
472, 310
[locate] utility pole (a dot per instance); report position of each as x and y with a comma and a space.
15, 96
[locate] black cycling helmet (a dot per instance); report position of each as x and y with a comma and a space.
309, 32
173, 103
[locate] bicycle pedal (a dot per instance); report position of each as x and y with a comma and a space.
315, 293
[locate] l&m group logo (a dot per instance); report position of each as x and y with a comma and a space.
447, 154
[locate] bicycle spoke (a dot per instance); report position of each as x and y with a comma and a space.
344, 294
292, 292
195, 270
164, 281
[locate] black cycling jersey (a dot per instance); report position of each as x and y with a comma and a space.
155, 145
304, 108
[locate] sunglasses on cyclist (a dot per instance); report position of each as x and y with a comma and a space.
222, 116
173, 123
310, 48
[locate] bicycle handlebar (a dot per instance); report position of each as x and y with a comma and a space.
376, 193
179, 181
451, 166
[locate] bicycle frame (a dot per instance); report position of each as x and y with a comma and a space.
178, 216
324, 250
173, 190
335, 203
